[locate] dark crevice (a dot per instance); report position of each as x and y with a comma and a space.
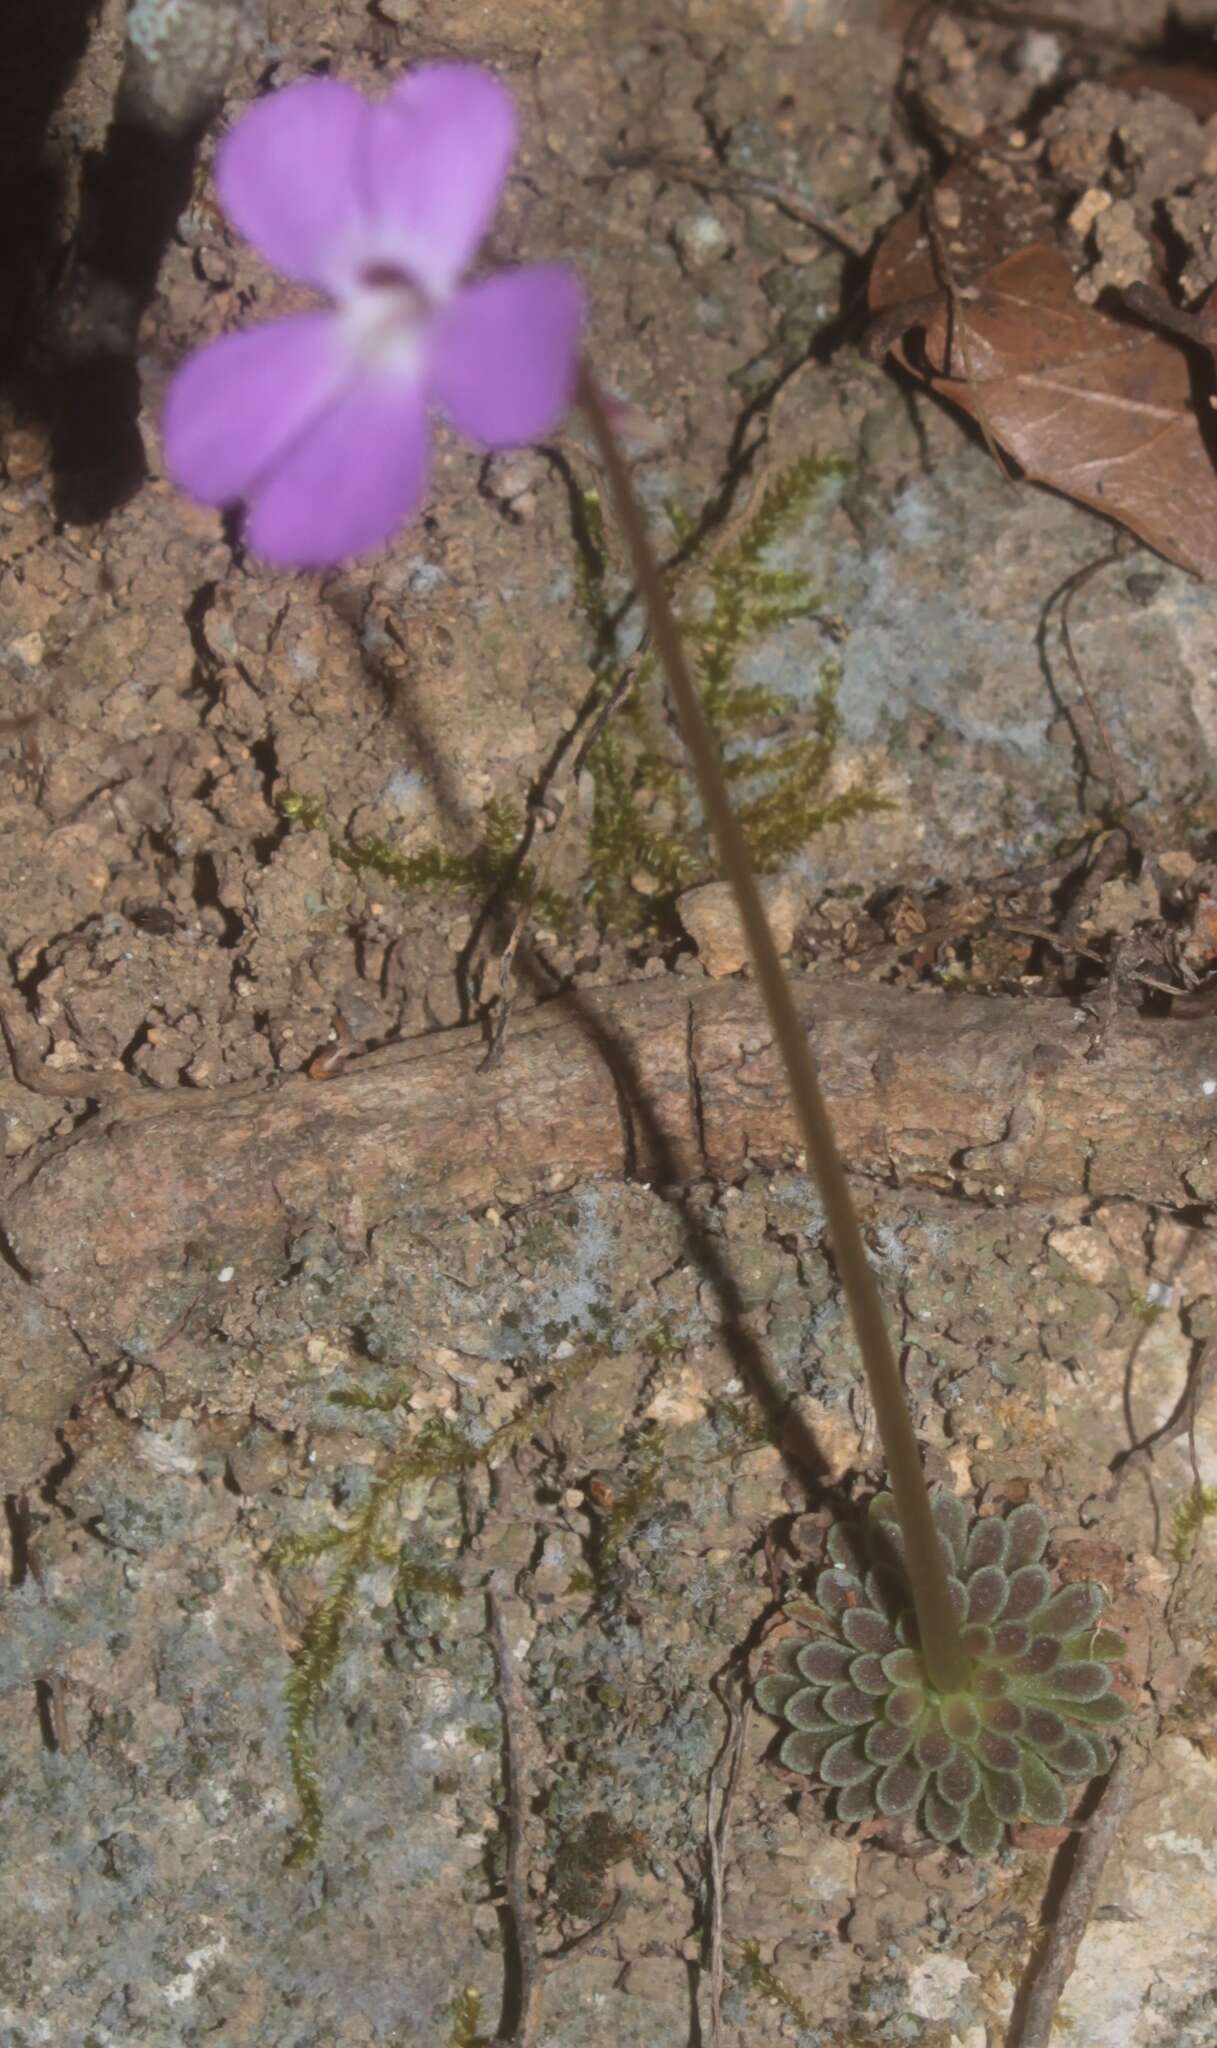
14, 1262
206, 894
20, 1531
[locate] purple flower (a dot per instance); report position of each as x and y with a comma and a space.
320, 422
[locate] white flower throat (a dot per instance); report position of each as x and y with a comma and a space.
384, 318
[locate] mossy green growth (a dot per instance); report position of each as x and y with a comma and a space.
1190, 1517
490, 868
1035, 1715
642, 1488
751, 1974
583, 1858
436, 1451
646, 822
466, 2011
739, 1426
645, 819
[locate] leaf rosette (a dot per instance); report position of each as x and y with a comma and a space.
1035, 1719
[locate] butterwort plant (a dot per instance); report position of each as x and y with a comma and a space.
1010, 1744
319, 424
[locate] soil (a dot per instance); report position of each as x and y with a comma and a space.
294, 1230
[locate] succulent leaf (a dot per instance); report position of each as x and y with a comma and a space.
1028, 1531
867, 1630
960, 1716
900, 1789
1045, 1727
1003, 1791
952, 1519
1072, 1609
944, 1822
1040, 1658
1043, 1793
845, 1763
856, 1802
997, 1752
773, 1691
824, 1663
804, 1752
988, 1544
886, 1741
982, 1832
1027, 1591
1072, 1758
1077, 1682
866, 1675
805, 1710
959, 1781
904, 1706
987, 1589
837, 1590
862, 1716
1109, 1709
934, 1746
1011, 1639
851, 1708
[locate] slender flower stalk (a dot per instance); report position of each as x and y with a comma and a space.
938, 1628
320, 423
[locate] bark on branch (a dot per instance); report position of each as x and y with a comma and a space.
666, 1081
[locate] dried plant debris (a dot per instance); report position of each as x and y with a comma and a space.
1003, 291
864, 1719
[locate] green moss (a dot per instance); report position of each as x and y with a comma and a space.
491, 867
465, 2011
642, 1488
1142, 1308
645, 820
1190, 1517
436, 1451
582, 1858
754, 1975
305, 811
739, 1426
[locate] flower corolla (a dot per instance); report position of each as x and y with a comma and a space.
320, 421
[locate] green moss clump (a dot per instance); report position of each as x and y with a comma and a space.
645, 819
299, 809
642, 1489
491, 867
751, 1974
582, 1859
739, 1427
1190, 1517
646, 822
465, 2011
436, 1451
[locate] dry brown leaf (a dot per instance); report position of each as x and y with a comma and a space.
1105, 409
1099, 408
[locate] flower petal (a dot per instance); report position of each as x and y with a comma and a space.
504, 355
288, 178
437, 153
348, 482
235, 406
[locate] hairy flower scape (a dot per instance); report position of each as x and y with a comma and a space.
321, 422
864, 1719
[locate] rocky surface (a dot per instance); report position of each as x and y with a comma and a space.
265, 1339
